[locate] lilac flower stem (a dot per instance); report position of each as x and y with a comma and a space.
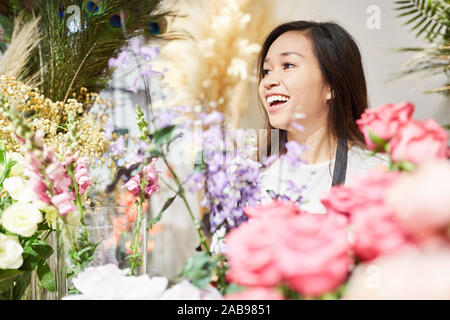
182, 195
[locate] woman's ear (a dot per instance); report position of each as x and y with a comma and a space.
330, 93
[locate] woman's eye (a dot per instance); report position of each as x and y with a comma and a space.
288, 65
265, 72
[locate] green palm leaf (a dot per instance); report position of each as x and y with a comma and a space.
433, 17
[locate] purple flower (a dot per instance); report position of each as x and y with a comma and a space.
118, 146
133, 87
213, 118
109, 129
149, 53
293, 154
195, 181
149, 72
121, 62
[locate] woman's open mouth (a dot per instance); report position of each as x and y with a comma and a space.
276, 102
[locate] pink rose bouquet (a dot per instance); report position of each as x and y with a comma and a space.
309, 253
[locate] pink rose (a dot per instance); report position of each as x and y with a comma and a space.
384, 121
376, 232
418, 141
273, 209
64, 203
314, 253
134, 185
342, 199
365, 190
309, 252
257, 293
426, 212
252, 253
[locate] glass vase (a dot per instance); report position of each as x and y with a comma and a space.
111, 232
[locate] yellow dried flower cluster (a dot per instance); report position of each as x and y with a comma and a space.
52, 118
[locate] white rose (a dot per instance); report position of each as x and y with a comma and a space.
22, 219
17, 188
19, 168
10, 252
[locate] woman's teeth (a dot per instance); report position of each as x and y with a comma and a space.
276, 99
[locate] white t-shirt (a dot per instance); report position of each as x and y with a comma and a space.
316, 178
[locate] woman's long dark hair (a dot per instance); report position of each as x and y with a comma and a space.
340, 63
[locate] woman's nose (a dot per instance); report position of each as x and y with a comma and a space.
270, 81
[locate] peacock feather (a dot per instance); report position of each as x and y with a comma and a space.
79, 37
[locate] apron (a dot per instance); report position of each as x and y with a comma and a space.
340, 163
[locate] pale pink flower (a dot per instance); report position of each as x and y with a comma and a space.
417, 142
421, 199
409, 274
81, 174
384, 121
151, 175
64, 203
134, 185
39, 187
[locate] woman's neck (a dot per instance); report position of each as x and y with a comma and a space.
320, 147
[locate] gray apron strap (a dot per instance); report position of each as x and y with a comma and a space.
340, 163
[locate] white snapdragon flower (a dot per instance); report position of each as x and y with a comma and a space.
21, 218
18, 189
18, 169
10, 252
218, 241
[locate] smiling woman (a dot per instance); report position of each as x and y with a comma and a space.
313, 89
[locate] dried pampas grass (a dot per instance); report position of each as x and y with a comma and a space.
217, 65
24, 40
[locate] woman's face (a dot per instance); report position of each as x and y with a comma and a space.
292, 81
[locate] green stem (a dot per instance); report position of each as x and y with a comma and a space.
182, 195
78, 203
135, 246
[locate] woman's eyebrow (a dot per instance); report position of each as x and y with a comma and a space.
284, 54
288, 53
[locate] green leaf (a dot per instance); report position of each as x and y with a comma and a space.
199, 269
406, 166
13, 283
234, 288
375, 139
42, 249
199, 162
2, 155
7, 278
164, 208
46, 277
163, 135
